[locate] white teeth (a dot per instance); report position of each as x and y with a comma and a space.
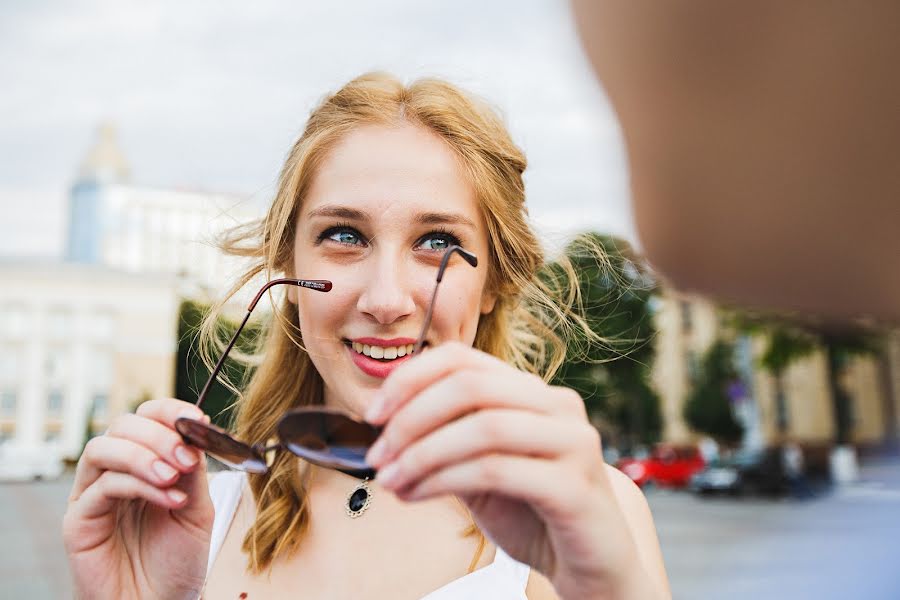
382, 352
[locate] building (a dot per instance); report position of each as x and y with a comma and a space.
89, 337
141, 229
79, 341
689, 325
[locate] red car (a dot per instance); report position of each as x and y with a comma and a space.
667, 466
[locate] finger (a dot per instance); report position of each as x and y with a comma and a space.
102, 497
413, 376
168, 410
107, 453
463, 392
161, 439
508, 432
522, 478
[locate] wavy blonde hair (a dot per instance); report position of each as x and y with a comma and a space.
523, 329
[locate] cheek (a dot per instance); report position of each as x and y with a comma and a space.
321, 314
460, 314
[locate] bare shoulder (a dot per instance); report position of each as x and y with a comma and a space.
640, 521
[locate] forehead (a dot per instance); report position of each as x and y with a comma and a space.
390, 170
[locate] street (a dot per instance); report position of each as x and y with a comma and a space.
839, 546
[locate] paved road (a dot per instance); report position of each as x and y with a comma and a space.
841, 546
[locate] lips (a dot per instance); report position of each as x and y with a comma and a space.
379, 357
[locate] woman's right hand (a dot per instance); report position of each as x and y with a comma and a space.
139, 518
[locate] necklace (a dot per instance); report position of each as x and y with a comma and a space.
359, 499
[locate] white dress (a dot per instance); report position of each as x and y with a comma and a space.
503, 579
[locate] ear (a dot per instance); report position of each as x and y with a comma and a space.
292, 293
488, 301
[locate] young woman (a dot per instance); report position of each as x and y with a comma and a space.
475, 445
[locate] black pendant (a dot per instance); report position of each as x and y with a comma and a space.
359, 499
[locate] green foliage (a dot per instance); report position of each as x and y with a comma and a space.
708, 406
617, 298
190, 372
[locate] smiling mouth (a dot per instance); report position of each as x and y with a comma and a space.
382, 353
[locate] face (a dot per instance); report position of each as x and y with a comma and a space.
380, 211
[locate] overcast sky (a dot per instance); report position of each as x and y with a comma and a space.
211, 94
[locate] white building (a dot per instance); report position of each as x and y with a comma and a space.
143, 229
95, 334
77, 340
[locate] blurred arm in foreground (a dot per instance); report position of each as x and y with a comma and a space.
764, 146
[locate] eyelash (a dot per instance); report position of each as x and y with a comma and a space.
344, 227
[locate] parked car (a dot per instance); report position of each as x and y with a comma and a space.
18, 463
746, 472
666, 466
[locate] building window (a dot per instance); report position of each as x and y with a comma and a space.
13, 321
9, 365
101, 368
8, 403
100, 326
59, 324
7, 434
54, 403
100, 405
692, 365
57, 365
687, 316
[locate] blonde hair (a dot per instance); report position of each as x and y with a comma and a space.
523, 329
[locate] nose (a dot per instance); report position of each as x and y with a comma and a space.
388, 294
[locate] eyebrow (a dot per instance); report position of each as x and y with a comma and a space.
427, 218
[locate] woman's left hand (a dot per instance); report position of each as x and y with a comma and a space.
523, 457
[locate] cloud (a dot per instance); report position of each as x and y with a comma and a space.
211, 94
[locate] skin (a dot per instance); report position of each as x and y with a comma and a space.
762, 142
519, 453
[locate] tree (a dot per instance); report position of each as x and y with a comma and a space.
708, 406
616, 297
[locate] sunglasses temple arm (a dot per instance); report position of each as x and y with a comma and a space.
221, 363
421, 341
469, 258
313, 284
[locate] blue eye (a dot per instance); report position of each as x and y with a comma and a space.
342, 235
438, 242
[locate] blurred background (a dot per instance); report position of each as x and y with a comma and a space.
132, 134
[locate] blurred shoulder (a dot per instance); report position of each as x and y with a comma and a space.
539, 587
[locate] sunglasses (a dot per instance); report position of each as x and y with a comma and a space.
320, 435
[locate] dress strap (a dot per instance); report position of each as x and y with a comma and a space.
511, 568
225, 491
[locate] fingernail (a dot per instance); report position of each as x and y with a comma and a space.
164, 471
191, 413
185, 457
376, 452
176, 496
388, 475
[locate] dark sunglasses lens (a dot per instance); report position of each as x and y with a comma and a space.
219, 444
328, 439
